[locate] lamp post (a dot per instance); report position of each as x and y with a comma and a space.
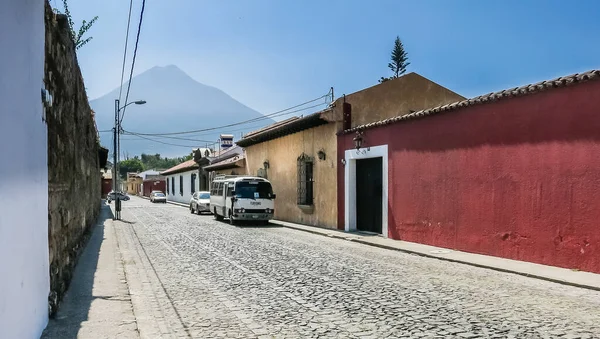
117, 145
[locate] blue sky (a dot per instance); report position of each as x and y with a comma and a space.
272, 54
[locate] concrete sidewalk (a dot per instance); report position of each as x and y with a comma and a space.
97, 303
550, 273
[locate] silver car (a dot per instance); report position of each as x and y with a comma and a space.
158, 196
200, 202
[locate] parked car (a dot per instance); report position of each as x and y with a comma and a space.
200, 202
111, 196
158, 196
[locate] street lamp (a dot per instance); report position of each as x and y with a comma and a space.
117, 145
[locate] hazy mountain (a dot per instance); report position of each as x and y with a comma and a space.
175, 102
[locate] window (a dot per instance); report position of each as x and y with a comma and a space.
204, 196
253, 190
181, 185
230, 189
193, 185
305, 180
173, 185
220, 188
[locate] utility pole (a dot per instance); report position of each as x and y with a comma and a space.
117, 133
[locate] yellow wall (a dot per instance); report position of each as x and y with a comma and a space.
390, 99
396, 97
282, 154
134, 185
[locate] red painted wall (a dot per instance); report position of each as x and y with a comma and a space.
154, 185
106, 187
518, 178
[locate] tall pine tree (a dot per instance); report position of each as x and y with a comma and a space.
399, 60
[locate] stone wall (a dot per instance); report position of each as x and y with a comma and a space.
74, 178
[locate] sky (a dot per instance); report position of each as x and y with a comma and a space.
273, 54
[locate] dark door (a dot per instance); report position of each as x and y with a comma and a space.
369, 194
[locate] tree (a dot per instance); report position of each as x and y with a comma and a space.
130, 165
399, 61
85, 26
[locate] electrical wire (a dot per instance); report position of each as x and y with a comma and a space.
264, 117
125, 50
168, 137
137, 40
164, 143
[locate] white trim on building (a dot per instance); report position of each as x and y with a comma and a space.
350, 202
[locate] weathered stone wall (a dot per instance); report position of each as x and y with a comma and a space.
73, 165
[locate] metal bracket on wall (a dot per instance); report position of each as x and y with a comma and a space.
46, 101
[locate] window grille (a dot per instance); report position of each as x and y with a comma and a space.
305, 180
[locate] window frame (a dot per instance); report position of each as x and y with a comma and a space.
193, 183
181, 184
305, 180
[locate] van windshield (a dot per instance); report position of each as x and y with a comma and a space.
253, 190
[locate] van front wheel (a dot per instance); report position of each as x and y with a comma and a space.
217, 216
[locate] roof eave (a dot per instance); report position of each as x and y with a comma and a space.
486, 98
295, 126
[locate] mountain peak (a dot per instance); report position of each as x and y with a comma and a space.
175, 102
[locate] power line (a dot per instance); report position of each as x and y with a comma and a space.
274, 114
168, 137
137, 40
125, 50
162, 142
245, 128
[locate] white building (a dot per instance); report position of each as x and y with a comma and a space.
182, 181
25, 282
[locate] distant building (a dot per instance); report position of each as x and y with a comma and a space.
181, 181
134, 183
231, 161
107, 182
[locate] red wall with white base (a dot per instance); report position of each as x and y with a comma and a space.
518, 178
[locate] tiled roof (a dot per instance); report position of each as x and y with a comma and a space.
271, 126
507, 93
227, 163
184, 166
283, 128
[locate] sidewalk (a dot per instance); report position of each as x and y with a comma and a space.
97, 303
549, 273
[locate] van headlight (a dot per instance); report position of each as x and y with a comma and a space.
239, 210
268, 210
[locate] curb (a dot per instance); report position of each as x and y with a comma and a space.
343, 236
422, 254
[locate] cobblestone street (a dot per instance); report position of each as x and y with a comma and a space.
191, 276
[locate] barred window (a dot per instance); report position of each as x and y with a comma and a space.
168, 186
305, 180
173, 185
181, 185
193, 185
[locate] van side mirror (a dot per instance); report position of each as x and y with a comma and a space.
274, 195
233, 193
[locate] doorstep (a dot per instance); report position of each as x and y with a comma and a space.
544, 272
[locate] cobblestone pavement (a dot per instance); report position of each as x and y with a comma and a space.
196, 277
